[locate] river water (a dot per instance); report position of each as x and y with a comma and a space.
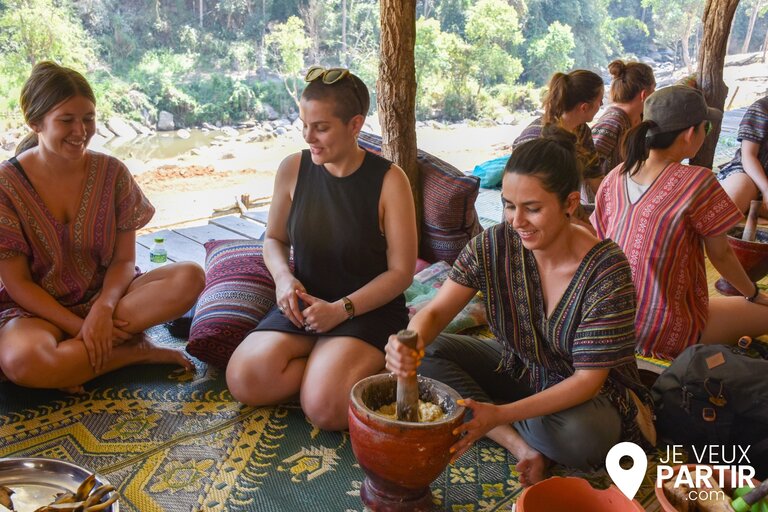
158, 146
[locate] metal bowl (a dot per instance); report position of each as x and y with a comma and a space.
36, 481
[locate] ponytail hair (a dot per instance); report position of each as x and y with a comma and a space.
639, 141
551, 158
47, 86
629, 78
566, 91
28, 142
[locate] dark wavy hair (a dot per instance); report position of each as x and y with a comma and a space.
551, 158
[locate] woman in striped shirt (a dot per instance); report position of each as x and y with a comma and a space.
746, 176
662, 213
632, 83
561, 306
571, 102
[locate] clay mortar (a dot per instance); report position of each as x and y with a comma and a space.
752, 255
400, 459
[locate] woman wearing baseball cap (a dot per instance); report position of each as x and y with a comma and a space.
661, 212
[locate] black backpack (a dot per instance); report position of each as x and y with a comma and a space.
716, 395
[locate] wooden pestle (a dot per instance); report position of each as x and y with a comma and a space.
408, 387
750, 229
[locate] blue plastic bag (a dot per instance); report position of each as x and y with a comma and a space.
491, 172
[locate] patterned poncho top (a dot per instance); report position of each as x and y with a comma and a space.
592, 326
662, 234
754, 128
68, 261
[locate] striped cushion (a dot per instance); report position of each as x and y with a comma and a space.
238, 293
449, 217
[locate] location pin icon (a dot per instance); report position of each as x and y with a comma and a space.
627, 480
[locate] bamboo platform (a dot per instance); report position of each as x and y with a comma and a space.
186, 243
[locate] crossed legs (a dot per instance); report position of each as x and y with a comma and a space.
271, 367
36, 353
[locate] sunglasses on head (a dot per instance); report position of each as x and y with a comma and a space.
707, 127
329, 76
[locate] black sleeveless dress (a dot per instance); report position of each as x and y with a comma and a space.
338, 248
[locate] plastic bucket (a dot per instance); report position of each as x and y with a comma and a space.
574, 495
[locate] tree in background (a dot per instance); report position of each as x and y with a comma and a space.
493, 31
452, 15
594, 41
35, 30
754, 10
717, 19
551, 52
285, 45
676, 21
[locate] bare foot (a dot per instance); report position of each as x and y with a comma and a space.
531, 464
153, 353
531, 467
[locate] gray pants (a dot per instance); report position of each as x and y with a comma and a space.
579, 437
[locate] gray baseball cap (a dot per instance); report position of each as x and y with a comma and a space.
677, 107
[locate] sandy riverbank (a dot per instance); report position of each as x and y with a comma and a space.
193, 186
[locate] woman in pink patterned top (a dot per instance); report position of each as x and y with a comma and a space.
661, 213
72, 306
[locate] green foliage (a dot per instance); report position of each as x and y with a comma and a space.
516, 97
32, 31
286, 44
452, 15
593, 44
242, 58
493, 32
632, 33
551, 52
672, 17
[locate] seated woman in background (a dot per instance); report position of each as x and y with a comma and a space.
632, 83
72, 305
561, 305
746, 176
571, 102
664, 215
349, 217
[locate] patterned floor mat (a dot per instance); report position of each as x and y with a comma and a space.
176, 441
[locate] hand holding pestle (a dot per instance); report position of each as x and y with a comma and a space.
750, 229
408, 387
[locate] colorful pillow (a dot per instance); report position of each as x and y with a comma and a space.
449, 218
424, 288
239, 290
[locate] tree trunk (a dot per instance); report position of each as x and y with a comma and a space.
765, 44
201, 13
718, 15
344, 59
396, 91
752, 20
685, 42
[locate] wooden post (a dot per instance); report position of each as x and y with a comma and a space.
396, 91
718, 15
